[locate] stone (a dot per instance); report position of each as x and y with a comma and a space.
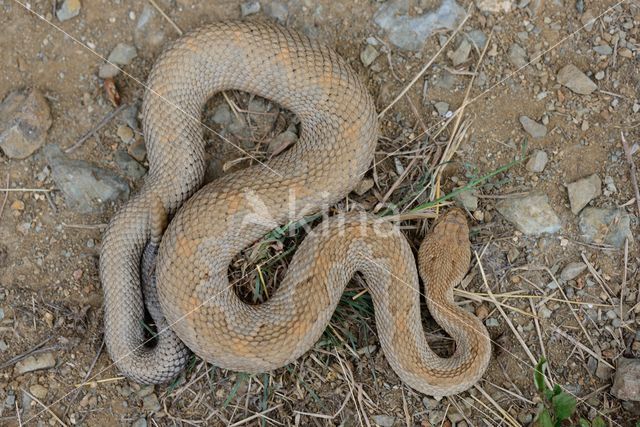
467, 199
384, 420
40, 392
138, 150
603, 49
572, 270
86, 187
149, 35
368, 55
150, 403
517, 56
538, 161
222, 115
140, 422
494, 6
626, 382
68, 9
108, 71
249, 8
442, 108
461, 54
129, 165
608, 226
531, 214
478, 37
571, 77
533, 128
277, 10
125, 133
582, 191
411, 32
35, 363
122, 54
25, 119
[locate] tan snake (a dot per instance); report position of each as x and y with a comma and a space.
336, 145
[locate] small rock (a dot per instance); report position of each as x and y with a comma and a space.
467, 199
142, 421
461, 54
249, 8
478, 37
277, 10
3, 346
222, 114
609, 226
571, 77
39, 391
368, 55
530, 214
125, 133
149, 35
17, 205
533, 128
108, 71
494, 6
584, 190
384, 420
35, 363
517, 55
636, 107
626, 383
128, 165
492, 322
538, 161
138, 150
572, 270
25, 119
122, 54
600, 75
610, 186
442, 108
86, 187
588, 20
68, 9
603, 49
603, 371
544, 312
150, 403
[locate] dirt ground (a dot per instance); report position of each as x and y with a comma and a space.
50, 293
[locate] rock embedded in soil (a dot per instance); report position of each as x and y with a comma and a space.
25, 119
122, 54
626, 383
129, 165
68, 9
572, 270
278, 11
533, 128
368, 55
494, 6
384, 420
149, 35
35, 363
86, 187
538, 161
571, 77
467, 199
531, 214
249, 8
582, 191
461, 54
517, 55
608, 226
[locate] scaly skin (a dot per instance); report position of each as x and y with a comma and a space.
338, 136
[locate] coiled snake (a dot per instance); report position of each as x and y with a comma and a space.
337, 139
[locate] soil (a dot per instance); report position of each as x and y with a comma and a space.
50, 292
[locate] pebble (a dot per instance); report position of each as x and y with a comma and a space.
517, 55
368, 55
138, 150
538, 161
533, 128
442, 108
609, 226
461, 54
544, 312
222, 114
277, 10
125, 133
39, 391
626, 383
122, 54
587, 19
129, 165
25, 119
494, 6
600, 75
150, 403
467, 199
148, 35
411, 32
384, 420
572, 270
35, 363
86, 187
582, 191
140, 422
3, 346
603, 49
68, 9
530, 214
478, 37
635, 108
571, 77
610, 186
492, 322
249, 8
108, 71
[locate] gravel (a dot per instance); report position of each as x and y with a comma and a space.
533, 128
25, 120
584, 190
571, 77
531, 214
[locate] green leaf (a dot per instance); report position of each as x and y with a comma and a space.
564, 405
598, 422
538, 375
583, 423
548, 394
544, 419
556, 390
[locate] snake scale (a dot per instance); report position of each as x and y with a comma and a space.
195, 306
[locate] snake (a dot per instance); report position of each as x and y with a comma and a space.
193, 232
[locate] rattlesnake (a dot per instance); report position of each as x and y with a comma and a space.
209, 227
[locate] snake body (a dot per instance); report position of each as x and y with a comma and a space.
210, 225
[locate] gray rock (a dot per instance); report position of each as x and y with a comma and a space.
608, 226
122, 54
68, 9
86, 187
478, 37
222, 114
626, 383
125, 133
35, 363
140, 422
572, 270
538, 161
517, 55
492, 322
441, 107
25, 119
574, 79
249, 8
149, 34
150, 403
461, 54
531, 214
533, 128
410, 32
603, 49
138, 150
545, 313
278, 11
108, 71
467, 199
3, 346
384, 420
368, 55
128, 165
494, 6
582, 191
